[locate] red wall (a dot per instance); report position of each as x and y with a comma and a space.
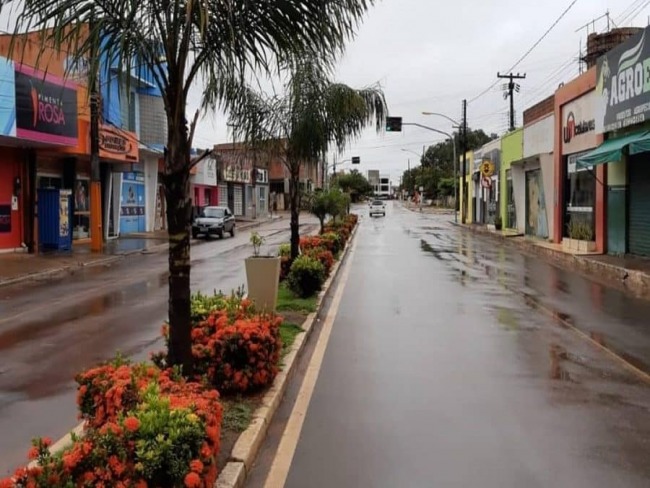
199, 195
10, 168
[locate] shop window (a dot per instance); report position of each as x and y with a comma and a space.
580, 195
81, 219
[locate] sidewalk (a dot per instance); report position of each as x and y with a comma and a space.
21, 267
629, 273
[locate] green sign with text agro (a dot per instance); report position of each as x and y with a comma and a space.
623, 85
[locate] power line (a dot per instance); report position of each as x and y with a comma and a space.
635, 15
548, 31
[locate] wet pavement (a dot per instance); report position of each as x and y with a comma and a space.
456, 362
50, 332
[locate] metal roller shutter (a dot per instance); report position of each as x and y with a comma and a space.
639, 214
223, 195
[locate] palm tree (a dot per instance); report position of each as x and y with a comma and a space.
300, 125
213, 42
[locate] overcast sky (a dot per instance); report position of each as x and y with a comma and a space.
430, 54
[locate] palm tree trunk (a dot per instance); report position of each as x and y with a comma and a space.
294, 194
179, 211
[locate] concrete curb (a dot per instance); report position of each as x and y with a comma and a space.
245, 450
71, 268
633, 281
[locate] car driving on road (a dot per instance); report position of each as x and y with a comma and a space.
214, 221
377, 207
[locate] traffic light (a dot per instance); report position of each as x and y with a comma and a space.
393, 124
356, 160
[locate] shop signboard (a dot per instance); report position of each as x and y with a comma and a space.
206, 173
623, 85
46, 107
8, 98
236, 174
579, 124
117, 145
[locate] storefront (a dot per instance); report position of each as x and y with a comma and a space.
512, 205
579, 190
204, 183
537, 172
580, 182
123, 183
236, 178
622, 106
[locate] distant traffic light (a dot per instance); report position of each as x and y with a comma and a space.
393, 124
356, 160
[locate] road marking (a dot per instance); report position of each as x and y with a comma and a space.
281, 465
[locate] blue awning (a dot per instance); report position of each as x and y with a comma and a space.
611, 151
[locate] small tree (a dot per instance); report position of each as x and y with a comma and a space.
321, 207
299, 126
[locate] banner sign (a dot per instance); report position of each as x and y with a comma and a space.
623, 85
46, 108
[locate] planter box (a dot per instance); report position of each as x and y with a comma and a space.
575, 245
263, 277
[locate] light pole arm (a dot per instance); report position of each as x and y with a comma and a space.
441, 115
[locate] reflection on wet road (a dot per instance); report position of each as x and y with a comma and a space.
50, 332
452, 363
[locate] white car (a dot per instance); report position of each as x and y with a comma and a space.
377, 207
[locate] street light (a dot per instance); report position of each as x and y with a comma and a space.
443, 116
453, 145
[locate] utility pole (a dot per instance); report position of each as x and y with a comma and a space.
464, 132
512, 87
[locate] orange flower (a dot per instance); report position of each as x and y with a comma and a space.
132, 424
196, 466
141, 484
33, 452
6, 483
46, 441
192, 480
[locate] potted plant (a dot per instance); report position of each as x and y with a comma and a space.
263, 276
581, 237
498, 222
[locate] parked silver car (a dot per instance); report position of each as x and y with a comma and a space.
214, 221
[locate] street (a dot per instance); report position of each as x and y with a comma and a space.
449, 363
52, 331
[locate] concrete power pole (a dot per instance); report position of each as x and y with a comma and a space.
464, 185
512, 87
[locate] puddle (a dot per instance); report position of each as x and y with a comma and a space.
92, 307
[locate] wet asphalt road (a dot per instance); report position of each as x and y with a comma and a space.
446, 368
50, 332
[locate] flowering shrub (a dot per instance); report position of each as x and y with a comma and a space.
308, 243
333, 242
237, 355
325, 257
167, 440
306, 276
202, 305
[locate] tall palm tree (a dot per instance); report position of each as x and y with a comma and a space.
300, 125
215, 42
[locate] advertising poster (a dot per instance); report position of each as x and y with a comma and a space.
46, 108
64, 213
